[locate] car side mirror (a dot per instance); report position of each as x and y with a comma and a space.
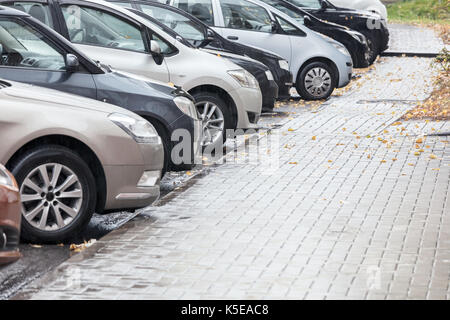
307, 20
72, 62
1, 48
210, 35
323, 5
156, 52
274, 26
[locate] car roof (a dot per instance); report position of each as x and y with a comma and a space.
6, 11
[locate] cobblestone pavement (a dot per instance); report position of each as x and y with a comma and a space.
412, 39
355, 210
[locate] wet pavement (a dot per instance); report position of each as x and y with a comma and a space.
352, 211
334, 222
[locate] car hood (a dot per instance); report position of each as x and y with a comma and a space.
235, 57
50, 97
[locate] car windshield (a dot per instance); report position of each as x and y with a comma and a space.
283, 7
177, 22
22, 46
164, 28
307, 3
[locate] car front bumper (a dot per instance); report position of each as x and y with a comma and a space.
345, 68
248, 103
269, 94
10, 217
285, 82
124, 183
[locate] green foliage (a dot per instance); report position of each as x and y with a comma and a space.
420, 10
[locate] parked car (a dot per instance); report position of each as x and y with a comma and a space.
32, 52
369, 24
267, 84
318, 64
227, 96
369, 5
9, 217
355, 42
202, 36
72, 156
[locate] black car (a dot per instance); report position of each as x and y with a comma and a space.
369, 24
267, 84
49, 60
355, 42
202, 36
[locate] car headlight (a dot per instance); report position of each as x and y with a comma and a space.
341, 48
6, 178
186, 106
140, 130
245, 78
284, 64
269, 75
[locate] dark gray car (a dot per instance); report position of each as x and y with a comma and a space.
33, 53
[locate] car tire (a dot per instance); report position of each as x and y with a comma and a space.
323, 77
221, 111
68, 201
374, 49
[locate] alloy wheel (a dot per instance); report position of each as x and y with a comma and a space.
317, 81
213, 122
51, 196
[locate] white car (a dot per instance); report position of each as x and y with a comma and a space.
369, 5
227, 96
318, 63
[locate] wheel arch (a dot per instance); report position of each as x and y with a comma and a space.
327, 61
223, 94
86, 153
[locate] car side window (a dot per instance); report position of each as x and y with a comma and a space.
166, 48
24, 47
123, 4
244, 15
201, 9
289, 28
315, 4
175, 21
37, 10
96, 27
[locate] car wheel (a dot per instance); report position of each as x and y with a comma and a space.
58, 194
316, 81
373, 49
215, 116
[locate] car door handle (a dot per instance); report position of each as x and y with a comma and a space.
233, 37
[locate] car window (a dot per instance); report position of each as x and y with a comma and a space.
166, 48
175, 21
202, 9
99, 28
283, 7
23, 46
123, 4
306, 3
37, 10
289, 28
241, 14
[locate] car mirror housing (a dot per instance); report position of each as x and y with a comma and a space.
1, 48
156, 52
72, 62
274, 27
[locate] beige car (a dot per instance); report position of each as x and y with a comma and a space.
72, 156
